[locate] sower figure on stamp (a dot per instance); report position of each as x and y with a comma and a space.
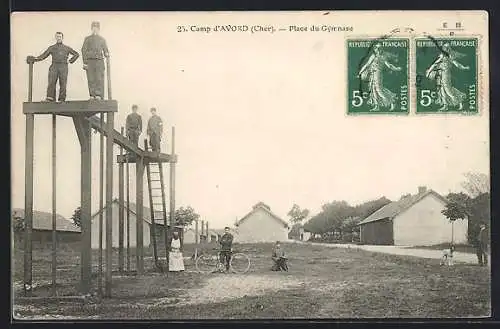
226, 245
440, 70
373, 71
58, 70
155, 129
94, 50
134, 126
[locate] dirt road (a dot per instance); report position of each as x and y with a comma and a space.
459, 257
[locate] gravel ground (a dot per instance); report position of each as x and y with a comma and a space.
225, 287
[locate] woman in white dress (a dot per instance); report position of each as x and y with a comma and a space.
175, 261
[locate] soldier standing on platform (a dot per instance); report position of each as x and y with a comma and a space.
59, 68
94, 50
155, 129
134, 126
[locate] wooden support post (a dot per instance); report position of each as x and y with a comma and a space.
28, 199
108, 71
54, 196
109, 201
101, 208
172, 182
28, 191
139, 189
30, 82
208, 234
120, 212
86, 205
202, 234
196, 235
128, 214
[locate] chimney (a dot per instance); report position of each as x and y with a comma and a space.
422, 189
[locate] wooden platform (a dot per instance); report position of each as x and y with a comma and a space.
69, 108
133, 150
148, 157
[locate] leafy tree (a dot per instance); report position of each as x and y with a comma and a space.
294, 231
297, 215
476, 183
457, 206
480, 213
185, 216
77, 217
341, 217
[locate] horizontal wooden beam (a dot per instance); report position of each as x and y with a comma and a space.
70, 107
148, 157
119, 139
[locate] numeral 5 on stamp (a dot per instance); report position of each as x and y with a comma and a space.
377, 76
446, 78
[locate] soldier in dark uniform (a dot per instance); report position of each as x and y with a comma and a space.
279, 258
226, 245
94, 50
59, 68
134, 126
482, 245
155, 129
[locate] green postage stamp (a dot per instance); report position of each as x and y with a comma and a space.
446, 75
378, 76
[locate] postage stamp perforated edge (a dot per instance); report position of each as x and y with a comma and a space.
479, 73
390, 35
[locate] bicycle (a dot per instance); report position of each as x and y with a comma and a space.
211, 263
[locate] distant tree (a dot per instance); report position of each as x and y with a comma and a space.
476, 184
477, 210
297, 215
480, 213
294, 231
367, 208
185, 216
341, 217
77, 217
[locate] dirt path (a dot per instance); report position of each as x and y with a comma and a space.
459, 257
225, 287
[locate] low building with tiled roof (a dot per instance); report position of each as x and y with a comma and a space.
414, 220
261, 225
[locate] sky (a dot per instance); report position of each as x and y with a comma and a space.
258, 117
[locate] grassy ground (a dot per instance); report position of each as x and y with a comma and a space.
458, 247
322, 283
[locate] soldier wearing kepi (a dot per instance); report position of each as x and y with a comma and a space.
155, 129
59, 68
94, 50
134, 126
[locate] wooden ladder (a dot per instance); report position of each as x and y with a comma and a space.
158, 205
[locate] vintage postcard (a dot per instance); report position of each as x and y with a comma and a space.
250, 165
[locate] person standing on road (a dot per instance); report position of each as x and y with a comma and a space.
482, 245
134, 126
155, 130
59, 68
94, 50
226, 246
